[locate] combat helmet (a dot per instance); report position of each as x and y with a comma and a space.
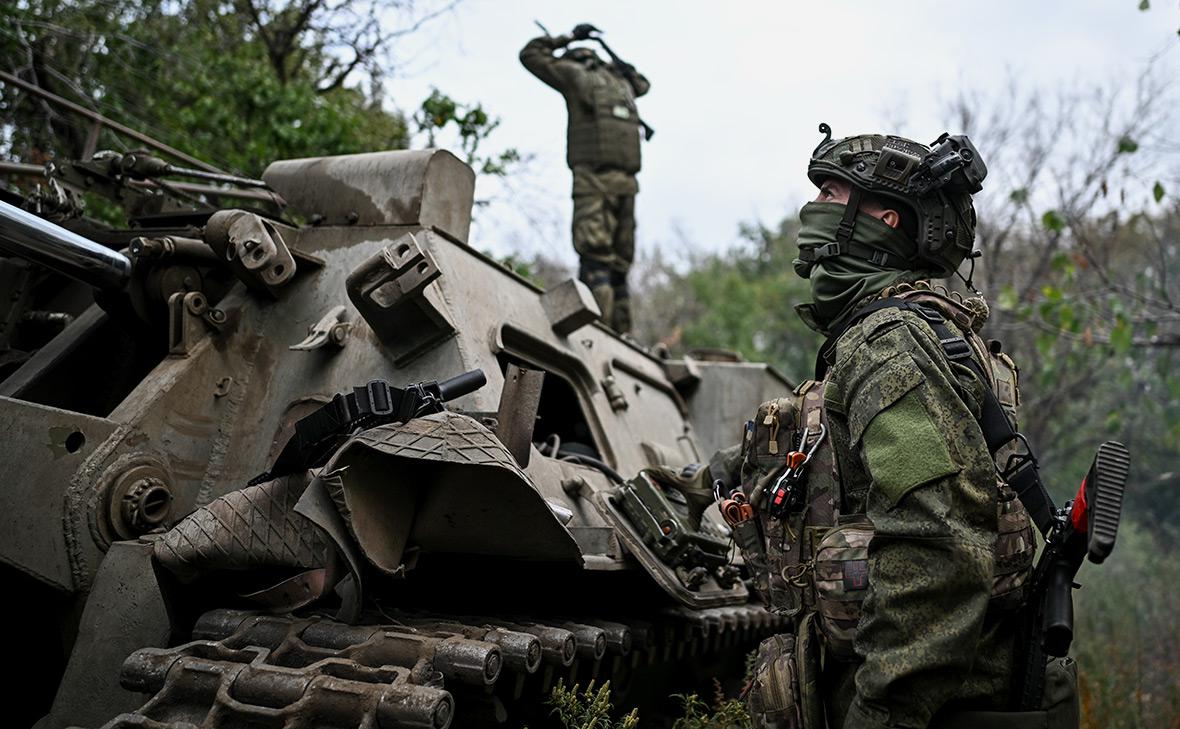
935, 182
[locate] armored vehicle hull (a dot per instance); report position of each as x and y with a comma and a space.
442, 567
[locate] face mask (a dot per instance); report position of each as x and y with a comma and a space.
838, 283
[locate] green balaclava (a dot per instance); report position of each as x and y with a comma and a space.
839, 283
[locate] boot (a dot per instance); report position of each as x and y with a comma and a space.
621, 314
598, 280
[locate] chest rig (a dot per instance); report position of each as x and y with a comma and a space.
604, 123
808, 490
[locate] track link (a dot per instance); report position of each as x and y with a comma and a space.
420, 670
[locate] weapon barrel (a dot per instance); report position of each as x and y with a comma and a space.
40, 241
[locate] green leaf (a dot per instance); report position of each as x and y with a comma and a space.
1144, 4
1067, 317
1121, 336
1114, 422
1007, 299
1045, 342
1019, 195
1127, 145
1053, 221
1157, 191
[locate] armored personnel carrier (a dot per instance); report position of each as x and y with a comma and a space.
315, 460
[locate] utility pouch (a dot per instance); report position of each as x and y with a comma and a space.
749, 541
783, 560
772, 435
1061, 694
808, 657
1059, 708
773, 700
842, 581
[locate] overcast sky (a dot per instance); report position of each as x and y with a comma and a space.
739, 88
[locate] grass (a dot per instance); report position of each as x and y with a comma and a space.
591, 709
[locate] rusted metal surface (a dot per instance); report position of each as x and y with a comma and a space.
389, 291
42, 449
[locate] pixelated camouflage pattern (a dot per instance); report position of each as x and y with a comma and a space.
949, 550
929, 633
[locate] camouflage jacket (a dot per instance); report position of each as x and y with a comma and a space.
905, 546
911, 456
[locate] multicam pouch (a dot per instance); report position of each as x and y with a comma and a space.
773, 700
772, 435
842, 570
842, 581
768, 439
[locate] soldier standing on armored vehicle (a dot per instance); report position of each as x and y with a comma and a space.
871, 510
603, 153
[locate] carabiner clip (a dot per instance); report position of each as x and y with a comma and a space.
783, 494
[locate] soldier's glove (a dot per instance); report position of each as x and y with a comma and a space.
582, 31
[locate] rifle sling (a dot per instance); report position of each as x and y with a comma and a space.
373, 404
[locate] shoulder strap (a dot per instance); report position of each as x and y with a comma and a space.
1021, 472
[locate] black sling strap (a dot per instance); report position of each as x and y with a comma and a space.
1021, 471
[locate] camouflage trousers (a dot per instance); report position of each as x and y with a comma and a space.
604, 238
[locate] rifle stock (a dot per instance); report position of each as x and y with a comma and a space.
1087, 526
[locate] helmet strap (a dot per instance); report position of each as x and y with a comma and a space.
969, 278
847, 225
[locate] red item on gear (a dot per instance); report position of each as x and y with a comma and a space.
1078, 515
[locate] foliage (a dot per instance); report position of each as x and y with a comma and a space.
742, 299
725, 713
471, 123
238, 83
1127, 646
1084, 293
589, 709
1080, 264
199, 74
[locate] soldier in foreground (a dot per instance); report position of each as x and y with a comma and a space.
603, 153
891, 539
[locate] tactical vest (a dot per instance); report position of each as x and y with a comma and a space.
816, 556
604, 124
